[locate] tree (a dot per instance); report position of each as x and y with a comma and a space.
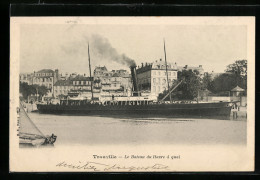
42, 90
207, 82
190, 86
188, 89
239, 68
224, 82
27, 90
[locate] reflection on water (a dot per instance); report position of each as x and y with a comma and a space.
91, 130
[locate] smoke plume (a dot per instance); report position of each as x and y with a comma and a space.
102, 47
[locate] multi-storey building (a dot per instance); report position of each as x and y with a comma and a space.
62, 87
46, 77
152, 77
77, 86
115, 82
26, 78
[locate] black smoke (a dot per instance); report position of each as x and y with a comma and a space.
102, 47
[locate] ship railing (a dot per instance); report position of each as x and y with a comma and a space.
126, 103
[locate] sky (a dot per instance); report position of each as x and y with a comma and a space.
65, 46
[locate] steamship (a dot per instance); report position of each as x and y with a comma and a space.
137, 105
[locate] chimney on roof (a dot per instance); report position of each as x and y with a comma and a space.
160, 59
142, 64
200, 66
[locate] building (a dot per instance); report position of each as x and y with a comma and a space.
77, 86
152, 77
47, 78
115, 82
64, 76
62, 87
237, 91
100, 71
26, 78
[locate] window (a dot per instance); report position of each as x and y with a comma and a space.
159, 88
154, 89
159, 73
164, 81
169, 73
154, 80
159, 80
154, 73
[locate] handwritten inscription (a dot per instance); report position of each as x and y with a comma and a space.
94, 166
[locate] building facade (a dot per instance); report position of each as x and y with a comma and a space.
47, 78
77, 86
152, 77
115, 82
62, 87
26, 78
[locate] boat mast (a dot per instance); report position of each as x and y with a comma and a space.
167, 70
90, 73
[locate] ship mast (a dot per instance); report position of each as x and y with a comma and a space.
90, 73
167, 70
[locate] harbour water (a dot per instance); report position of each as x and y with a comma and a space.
96, 130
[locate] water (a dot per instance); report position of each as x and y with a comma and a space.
93, 130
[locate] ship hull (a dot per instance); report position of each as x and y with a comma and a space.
173, 110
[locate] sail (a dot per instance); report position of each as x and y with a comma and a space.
27, 127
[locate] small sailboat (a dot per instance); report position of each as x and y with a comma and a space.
29, 134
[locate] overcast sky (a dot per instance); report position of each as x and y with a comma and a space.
64, 46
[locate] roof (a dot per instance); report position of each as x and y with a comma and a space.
115, 75
238, 89
101, 68
63, 83
82, 78
45, 71
190, 68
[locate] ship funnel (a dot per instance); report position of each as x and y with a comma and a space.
133, 73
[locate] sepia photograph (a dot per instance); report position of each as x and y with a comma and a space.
131, 94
